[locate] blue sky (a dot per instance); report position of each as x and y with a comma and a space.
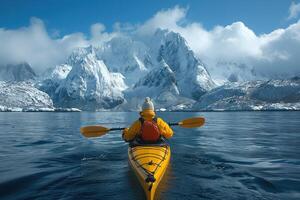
68, 16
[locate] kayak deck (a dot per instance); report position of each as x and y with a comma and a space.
149, 163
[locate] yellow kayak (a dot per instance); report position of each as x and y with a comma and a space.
149, 162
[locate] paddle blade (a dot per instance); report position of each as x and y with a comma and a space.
192, 122
93, 131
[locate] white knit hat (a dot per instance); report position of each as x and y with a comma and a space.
148, 105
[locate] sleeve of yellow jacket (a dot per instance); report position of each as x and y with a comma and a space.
164, 128
134, 129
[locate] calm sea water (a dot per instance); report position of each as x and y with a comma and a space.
236, 155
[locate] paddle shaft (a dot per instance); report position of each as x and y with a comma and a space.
96, 131
116, 129
173, 124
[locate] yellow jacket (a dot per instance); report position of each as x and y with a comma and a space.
133, 131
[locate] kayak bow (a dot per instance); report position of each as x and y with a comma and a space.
149, 162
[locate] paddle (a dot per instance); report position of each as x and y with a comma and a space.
97, 131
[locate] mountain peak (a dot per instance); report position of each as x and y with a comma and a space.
163, 67
89, 85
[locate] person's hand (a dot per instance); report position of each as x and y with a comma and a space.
124, 132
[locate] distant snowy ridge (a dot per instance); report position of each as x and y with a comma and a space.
253, 95
24, 97
21, 96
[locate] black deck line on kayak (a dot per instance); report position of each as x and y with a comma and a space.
157, 164
166, 152
139, 165
154, 155
162, 158
147, 163
151, 148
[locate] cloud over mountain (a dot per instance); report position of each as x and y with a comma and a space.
34, 44
272, 54
234, 48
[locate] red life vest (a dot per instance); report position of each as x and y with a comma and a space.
149, 130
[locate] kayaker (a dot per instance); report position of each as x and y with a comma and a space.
147, 128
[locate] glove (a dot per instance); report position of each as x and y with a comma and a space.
124, 132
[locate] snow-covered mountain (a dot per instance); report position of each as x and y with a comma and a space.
127, 56
89, 85
253, 95
192, 78
52, 78
124, 69
161, 85
17, 72
121, 72
23, 96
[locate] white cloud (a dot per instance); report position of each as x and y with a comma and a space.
165, 19
34, 45
234, 48
294, 10
221, 42
281, 50
99, 36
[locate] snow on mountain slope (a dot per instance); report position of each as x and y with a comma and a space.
89, 85
177, 79
126, 56
59, 73
253, 95
192, 78
117, 81
160, 79
159, 84
17, 72
22, 96
135, 58
99, 77
275, 91
52, 78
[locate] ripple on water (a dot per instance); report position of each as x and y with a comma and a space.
241, 155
